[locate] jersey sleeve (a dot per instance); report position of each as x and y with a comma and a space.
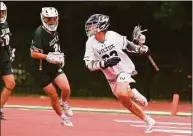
90, 61
119, 39
125, 44
37, 43
89, 53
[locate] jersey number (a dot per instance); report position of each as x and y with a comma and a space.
6, 39
112, 53
56, 47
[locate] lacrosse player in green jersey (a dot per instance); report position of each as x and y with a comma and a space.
48, 61
6, 57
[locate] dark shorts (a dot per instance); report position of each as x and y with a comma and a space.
44, 78
5, 68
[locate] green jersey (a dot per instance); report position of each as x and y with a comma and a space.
5, 42
45, 42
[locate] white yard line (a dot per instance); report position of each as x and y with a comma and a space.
166, 123
165, 127
97, 110
178, 129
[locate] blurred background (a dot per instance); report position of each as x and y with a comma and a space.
169, 38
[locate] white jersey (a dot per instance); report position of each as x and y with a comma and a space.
113, 45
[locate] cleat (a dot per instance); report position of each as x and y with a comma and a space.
66, 108
66, 122
2, 116
150, 123
139, 98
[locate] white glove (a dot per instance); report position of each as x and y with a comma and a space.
143, 49
55, 57
62, 64
142, 39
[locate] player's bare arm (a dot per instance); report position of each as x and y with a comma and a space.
51, 57
38, 55
134, 48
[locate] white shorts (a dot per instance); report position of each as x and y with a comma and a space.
122, 77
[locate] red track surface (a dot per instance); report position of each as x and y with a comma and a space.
46, 123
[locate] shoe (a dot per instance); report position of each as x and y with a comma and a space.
2, 116
139, 98
66, 108
66, 122
150, 123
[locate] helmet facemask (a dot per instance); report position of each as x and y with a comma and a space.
3, 12
49, 18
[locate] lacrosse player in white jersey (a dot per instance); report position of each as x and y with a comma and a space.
105, 52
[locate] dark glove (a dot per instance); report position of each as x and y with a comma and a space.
109, 62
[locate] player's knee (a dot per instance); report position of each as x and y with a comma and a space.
65, 89
122, 95
126, 102
10, 85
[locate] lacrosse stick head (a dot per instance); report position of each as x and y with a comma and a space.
137, 32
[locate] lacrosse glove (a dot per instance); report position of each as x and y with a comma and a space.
109, 62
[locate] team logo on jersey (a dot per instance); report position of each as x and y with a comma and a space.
54, 40
105, 49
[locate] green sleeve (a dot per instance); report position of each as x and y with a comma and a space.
37, 42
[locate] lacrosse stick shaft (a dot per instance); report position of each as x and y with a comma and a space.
152, 62
40, 65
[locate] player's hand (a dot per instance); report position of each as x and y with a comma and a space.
109, 62
55, 57
143, 49
63, 63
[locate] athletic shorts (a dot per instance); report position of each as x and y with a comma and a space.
44, 78
122, 77
6, 68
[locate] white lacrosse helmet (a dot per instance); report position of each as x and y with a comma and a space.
49, 17
3, 14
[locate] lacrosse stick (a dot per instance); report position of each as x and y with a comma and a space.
136, 36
